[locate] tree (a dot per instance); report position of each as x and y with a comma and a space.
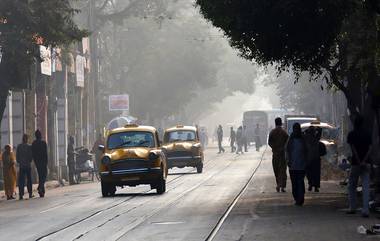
24, 25
333, 39
168, 71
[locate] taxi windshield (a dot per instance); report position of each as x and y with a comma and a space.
185, 135
130, 139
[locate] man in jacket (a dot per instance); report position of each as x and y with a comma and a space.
71, 160
361, 146
24, 159
277, 141
296, 152
232, 139
220, 139
40, 157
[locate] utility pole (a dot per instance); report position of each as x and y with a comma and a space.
94, 48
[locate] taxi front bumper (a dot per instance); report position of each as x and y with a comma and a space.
132, 177
184, 161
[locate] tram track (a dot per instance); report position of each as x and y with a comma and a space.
119, 235
230, 207
108, 208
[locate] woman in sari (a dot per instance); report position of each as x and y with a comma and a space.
9, 172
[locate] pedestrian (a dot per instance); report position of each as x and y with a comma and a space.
245, 139
220, 139
360, 142
9, 172
98, 153
257, 137
277, 141
239, 140
24, 159
71, 160
202, 137
313, 162
40, 157
296, 153
232, 139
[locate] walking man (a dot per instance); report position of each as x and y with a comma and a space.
361, 146
296, 150
239, 140
98, 153
277, 141
71, 160
24, 159
313, 166
257, 137
245, 139
232, 139
40, 157
220, 138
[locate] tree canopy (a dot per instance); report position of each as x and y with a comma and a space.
26, 24
291, 33
169, 60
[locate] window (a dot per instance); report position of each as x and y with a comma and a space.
174, 136
131, 139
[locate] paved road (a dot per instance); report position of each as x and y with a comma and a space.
188, 211
265, 215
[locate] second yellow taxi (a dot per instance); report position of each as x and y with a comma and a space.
182, 147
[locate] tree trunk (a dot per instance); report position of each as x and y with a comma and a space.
4, 88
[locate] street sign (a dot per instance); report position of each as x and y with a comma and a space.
46, 63
80, 62
119, 102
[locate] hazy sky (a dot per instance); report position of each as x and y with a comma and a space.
263, 98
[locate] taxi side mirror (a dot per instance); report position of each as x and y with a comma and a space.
101, 148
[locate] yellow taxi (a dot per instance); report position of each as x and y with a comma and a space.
182, 147
132, 156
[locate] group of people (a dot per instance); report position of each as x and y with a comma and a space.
238, 137
25, 154
300, 152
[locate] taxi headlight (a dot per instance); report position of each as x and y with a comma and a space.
153, 156
195, 147
106, 160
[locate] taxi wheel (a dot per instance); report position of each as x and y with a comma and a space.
108, 189
161, 184
200, 168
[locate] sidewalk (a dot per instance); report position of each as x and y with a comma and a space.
263, 214
49, 185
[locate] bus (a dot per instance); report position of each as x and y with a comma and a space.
265, 120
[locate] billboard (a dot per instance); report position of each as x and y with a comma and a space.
79, 64
46, 63
119, 102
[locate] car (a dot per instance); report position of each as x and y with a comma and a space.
132, 156
329, 137
290, 120
183, 148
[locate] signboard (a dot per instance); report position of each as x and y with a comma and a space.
80, 62
119, 102
46, 63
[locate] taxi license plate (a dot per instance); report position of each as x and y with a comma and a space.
130, 179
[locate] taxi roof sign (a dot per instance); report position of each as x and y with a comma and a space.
316, 122
131, 125
180, 126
